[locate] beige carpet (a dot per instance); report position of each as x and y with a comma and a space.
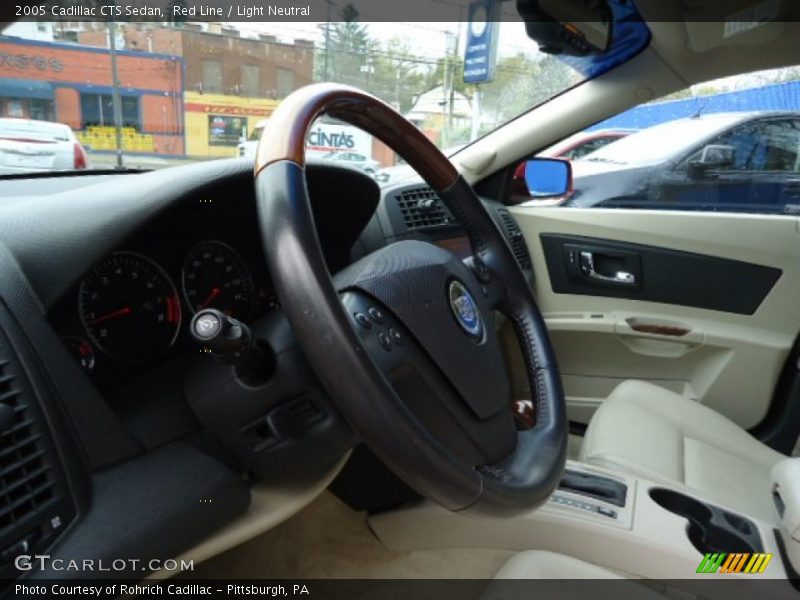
329, 540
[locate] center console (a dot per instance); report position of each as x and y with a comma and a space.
614, 519
710, 528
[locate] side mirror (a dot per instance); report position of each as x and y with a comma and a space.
548, 177
713, 156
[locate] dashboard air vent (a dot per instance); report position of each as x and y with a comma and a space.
421, 207
515, 238
26, 484
35, 500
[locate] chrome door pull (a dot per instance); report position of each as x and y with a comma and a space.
587, 268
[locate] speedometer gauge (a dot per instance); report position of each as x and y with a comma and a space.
129, 307
215, 276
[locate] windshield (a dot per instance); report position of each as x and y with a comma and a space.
660, 142
155, 94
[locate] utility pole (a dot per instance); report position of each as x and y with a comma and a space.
115, 97
445, 86
476, 114
452, 94
327, 40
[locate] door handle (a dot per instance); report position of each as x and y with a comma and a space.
587, 268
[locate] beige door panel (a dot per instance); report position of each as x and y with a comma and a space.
728, 361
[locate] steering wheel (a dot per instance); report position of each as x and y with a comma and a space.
404, 340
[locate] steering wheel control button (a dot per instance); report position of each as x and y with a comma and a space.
465, 310
363, 320
376, 315
385, 341
206, 325
395, 336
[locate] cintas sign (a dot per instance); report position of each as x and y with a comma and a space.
324, 138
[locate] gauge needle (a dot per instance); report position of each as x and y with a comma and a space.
124, 311
214, 293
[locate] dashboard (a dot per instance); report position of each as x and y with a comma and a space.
130, 312
101, 275
132, 309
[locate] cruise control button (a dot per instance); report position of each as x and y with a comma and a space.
376, 315
363, 320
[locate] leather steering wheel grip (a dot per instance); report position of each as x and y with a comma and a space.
324, 330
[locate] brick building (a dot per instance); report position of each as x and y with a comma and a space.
231, 82
72, 84
218, 59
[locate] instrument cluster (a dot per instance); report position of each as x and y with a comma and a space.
133, 307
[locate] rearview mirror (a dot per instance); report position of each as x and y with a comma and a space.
548, 177
571, 27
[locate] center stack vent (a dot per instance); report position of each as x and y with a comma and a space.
421, 207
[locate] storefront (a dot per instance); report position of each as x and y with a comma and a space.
216, 123
71, 84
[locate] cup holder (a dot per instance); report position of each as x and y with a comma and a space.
710, 529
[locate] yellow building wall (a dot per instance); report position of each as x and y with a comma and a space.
233, 112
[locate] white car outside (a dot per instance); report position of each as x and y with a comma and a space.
370, 166
28, 146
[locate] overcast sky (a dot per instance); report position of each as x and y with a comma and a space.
427, 39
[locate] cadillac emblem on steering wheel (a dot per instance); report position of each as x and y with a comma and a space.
465, 310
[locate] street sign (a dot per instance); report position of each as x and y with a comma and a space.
480, 53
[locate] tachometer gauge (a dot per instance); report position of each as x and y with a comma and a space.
129, 307
215, 276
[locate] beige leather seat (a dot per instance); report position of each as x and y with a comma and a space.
651, 432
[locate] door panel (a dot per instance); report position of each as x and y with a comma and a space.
728, 359
595, 267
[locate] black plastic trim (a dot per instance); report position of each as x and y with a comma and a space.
156, 506
780, 427
667, 276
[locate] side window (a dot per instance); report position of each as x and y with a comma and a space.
762, 146
587, 148
778, 148
731, 145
